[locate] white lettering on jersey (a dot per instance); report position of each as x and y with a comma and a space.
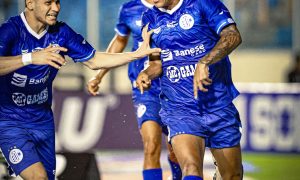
174, 73
39, 81
172, 24
199, 49
21, 99
186, 21
19, 80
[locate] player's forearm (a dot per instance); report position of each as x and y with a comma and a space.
109, 60
230, 39
154, 70
10, 64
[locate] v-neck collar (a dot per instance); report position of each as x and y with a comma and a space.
30, 30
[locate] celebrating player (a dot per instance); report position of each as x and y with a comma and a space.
196, 37
32, 46
147, 106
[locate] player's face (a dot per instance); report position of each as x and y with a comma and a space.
163, 3
46, 11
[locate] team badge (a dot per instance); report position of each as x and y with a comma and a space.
141, 110
173, 74
15, 156
186, 21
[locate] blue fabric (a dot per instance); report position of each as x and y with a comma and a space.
24, 147
192, 178
130, 23
26, 94
185, 35
175, 169
152, 174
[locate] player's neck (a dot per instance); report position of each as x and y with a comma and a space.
34, 23
172, 4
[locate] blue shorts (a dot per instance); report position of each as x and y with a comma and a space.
24, 147
220, 129
148, 110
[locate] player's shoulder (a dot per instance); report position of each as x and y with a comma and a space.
129, 5
13, 24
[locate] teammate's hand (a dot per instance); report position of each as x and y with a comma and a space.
145, 49
49, 56
93, 86
143, 82
201, 79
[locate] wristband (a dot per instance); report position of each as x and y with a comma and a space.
26, 59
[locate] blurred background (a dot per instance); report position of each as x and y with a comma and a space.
265, 68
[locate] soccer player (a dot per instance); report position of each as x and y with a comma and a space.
32, 46
147, 106
196, 37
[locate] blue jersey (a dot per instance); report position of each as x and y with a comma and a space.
26, 94
130, 22
185, 34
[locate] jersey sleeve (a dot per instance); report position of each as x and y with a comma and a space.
147, 19
121, 27
8, 35
216, 14
78, 48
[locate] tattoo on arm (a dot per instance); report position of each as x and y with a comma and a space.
230, 39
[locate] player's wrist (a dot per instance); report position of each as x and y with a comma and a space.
27, 59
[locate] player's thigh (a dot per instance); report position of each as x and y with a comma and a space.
34, 171
151, 131
228, 159
189, 149
46, 149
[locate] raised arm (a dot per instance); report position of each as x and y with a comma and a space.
109, 60
117, 45
230, 39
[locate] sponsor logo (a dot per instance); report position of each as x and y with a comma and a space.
21, 99
186, 21
157, 30
138, 23
166, 55
172, 24
39, 81
15, 156
199, 49
174, 73
141, 110
19, 80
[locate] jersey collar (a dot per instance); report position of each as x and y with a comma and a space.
148, 5
175, 8
31, 31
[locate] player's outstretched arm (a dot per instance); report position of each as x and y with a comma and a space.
46, 56
117, 45
110, 60
230, 39
154, 70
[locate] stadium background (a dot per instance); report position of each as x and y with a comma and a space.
105, 125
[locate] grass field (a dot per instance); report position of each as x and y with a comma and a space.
261, 166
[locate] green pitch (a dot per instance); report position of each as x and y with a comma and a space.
272, 166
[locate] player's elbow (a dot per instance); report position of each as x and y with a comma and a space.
91, 64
